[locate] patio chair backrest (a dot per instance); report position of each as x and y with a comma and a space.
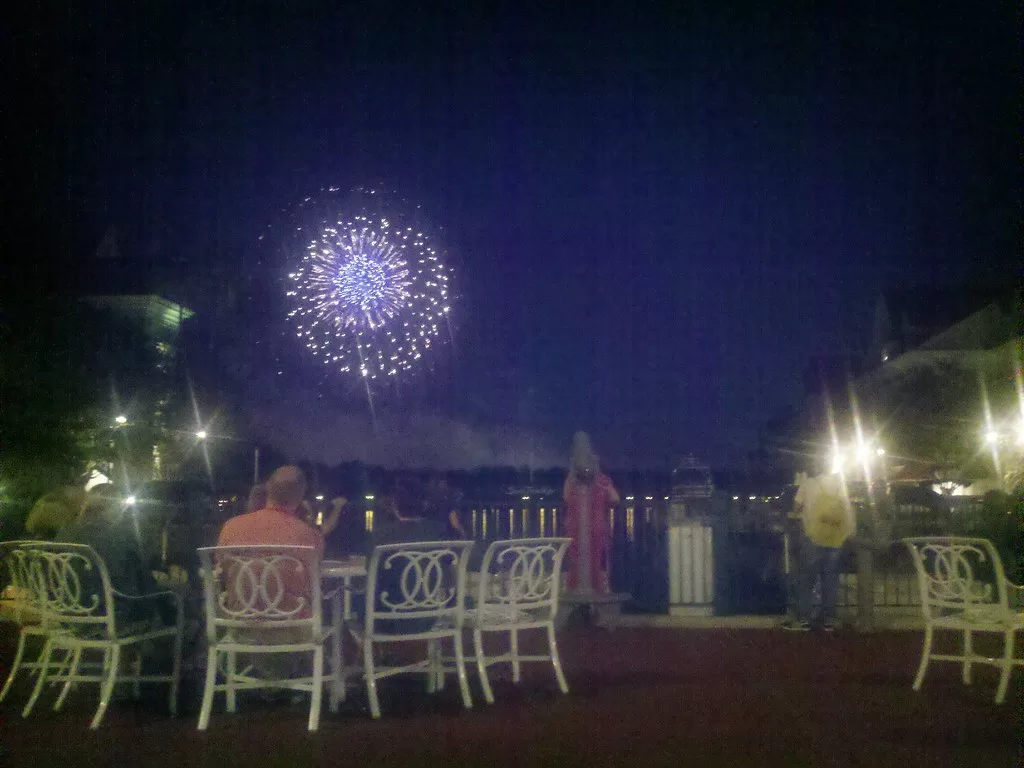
16, 582
67, 585
261, 587
957, 574
523, 574
416, 581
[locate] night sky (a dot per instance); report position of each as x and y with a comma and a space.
654, 217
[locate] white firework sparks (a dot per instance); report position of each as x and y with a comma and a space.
370, 294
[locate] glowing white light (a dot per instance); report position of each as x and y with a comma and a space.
130, 501
837, 463
320, 497
95, 478
949, 488
991, 437
121, 419
201, 434
880, 451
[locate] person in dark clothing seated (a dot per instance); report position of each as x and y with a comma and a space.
394, 526
400, 518
441, 505
106, 526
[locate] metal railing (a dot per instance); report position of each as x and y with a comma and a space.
749, 546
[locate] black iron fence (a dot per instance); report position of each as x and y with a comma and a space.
749, 577
748, 534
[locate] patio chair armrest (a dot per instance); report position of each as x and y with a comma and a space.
176, 596
1018, 599
160, 593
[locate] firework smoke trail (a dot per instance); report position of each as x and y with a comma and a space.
369, 398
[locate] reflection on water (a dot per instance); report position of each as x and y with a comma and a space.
493, 521
489, 522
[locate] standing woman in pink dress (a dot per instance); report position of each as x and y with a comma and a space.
588, 494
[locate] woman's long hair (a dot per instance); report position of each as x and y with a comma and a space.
583, 463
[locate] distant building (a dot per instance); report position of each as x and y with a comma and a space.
924, 402
908, 318
691, 479
160, 318
692, 488
130, 290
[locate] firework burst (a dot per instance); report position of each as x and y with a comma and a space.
370, 294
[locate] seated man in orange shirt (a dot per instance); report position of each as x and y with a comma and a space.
278, 523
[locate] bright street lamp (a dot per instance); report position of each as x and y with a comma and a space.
837, 462
121, 419
202, 435
863, 453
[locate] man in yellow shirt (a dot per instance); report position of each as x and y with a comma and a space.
827, 522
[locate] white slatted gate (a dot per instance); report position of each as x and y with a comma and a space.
691, 589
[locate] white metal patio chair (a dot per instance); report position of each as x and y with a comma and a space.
23, 610
964, 589
73, 589
263, 600
518, 590
416, 591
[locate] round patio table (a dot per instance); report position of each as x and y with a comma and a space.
339, 577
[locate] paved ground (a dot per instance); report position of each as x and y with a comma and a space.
640, 697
